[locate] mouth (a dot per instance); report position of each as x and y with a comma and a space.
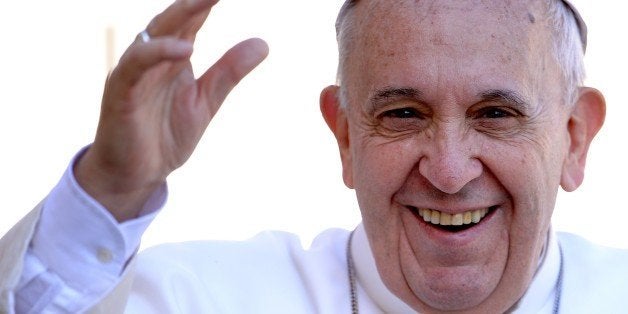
451, 222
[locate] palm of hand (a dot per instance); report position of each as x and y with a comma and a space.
154, 110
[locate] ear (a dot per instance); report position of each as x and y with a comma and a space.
336, 118
586, 119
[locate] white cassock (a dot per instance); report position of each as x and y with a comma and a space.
270, 273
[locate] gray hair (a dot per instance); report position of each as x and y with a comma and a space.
569, 35
570, 41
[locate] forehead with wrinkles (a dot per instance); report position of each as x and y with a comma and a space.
374, 33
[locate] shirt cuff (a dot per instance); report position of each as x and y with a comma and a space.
79, 240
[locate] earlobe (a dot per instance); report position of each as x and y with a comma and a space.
586, 119
335, 117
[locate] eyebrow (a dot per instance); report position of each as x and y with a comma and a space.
506, 96
381, 97
510, 97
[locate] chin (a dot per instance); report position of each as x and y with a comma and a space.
454, 289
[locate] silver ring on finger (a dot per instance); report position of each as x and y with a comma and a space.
144, 36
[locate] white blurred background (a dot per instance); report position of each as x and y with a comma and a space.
267, 160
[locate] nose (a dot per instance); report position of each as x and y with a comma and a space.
449, 163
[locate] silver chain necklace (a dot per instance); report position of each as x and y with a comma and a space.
351, 273
354, 294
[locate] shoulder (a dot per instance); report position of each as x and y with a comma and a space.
273, 270
595, 276
267, 245
581, 252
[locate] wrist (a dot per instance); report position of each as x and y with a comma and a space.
122, 193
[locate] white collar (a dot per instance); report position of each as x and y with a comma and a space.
539, 298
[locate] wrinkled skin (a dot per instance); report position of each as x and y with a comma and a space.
456, 106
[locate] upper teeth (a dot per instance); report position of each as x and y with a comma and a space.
445, 219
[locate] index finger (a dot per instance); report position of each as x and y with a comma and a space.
181, 19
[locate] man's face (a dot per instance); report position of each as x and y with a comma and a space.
455, 112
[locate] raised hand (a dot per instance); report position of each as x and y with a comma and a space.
154, 111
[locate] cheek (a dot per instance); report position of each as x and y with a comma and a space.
530, 173
382, 167
528, 166
379, 170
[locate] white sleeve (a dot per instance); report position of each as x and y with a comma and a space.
78, 251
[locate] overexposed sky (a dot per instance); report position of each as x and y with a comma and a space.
267, 160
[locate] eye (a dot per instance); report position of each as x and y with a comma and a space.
497, 120
402, 113
495, 113
400, 120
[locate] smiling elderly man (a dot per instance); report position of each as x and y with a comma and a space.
457, 122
